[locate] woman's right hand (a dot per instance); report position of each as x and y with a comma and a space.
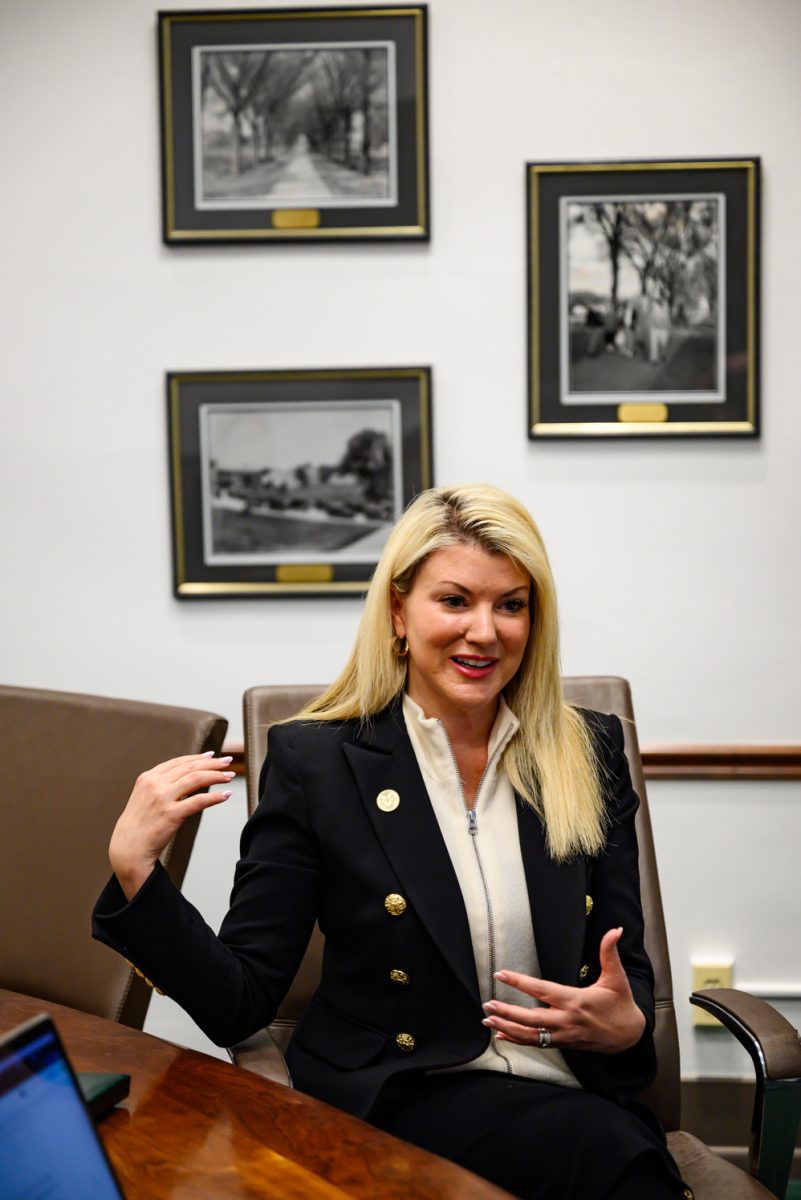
161, 801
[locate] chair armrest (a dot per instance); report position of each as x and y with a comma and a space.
772, 1042
775, 1048
261, 1055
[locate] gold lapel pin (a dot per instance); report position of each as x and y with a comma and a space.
388, 800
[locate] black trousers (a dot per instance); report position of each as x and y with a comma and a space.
536, 1140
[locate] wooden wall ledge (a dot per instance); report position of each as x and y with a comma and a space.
680, 762
721, 762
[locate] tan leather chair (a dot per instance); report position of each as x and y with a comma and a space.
69, 764
771, 1041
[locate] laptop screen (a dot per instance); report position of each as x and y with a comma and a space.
49, 1149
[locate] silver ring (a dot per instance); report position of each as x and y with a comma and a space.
545, 1038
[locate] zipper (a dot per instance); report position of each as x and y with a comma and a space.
472, 829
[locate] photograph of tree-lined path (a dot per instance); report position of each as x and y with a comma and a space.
294, 127
644, 295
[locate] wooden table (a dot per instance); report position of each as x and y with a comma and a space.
194, 1126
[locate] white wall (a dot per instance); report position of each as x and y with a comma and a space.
678, 563
728, 863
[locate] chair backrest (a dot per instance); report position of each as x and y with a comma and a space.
71, 761
611, 694
263, 706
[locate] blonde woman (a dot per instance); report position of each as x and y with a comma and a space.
444, 816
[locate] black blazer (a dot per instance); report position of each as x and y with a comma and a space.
319, 847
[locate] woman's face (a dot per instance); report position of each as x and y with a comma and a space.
467, 620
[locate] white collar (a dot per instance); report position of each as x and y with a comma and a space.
432, 745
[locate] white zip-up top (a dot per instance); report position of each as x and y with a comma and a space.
484, 847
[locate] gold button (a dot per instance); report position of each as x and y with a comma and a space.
584, 972
588, 904
388, 800
688, 1194
405, 1042
399, 976
395, 904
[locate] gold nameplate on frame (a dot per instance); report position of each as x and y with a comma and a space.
642, 412
304, 573
296, 218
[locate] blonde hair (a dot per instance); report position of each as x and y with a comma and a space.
551, 760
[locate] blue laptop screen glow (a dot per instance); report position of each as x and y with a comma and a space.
49, 1149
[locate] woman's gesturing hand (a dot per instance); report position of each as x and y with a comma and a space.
602, 1017
161, 801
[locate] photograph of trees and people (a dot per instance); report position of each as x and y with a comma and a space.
645, 297
290, 127
299, 482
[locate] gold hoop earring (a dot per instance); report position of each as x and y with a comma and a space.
399, 645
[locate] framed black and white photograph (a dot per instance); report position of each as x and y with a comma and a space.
294, 124
643, 298
290, 481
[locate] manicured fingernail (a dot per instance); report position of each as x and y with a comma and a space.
502, 976
488, 1021
228, 794
209, 753
229, 774
489, 1007
228, 758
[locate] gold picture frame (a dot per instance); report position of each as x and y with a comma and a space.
643, 298
294, 125
287, 482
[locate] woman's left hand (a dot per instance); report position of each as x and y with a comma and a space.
602, 1017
